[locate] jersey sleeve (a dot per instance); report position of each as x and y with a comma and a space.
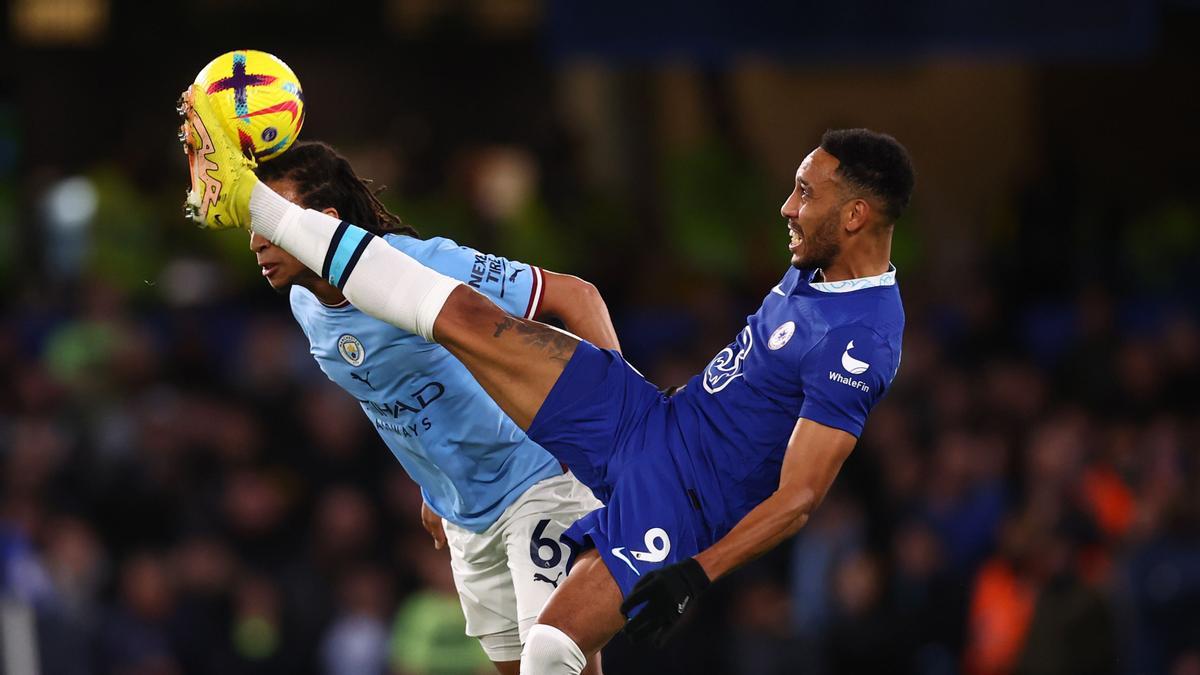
844, 375
515, 286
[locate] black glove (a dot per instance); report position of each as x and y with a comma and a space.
667, 593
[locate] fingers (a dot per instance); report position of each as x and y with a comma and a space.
436, 533
651, 627
637, 597
432, 523
641, 592
645, 627
439, 535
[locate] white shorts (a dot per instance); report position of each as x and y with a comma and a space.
505, 574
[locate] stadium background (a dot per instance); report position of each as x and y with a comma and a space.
181, 490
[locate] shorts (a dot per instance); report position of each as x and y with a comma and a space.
505, 574
616, 433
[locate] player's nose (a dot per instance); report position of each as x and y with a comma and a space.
785, 209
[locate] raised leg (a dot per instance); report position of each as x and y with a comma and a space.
516, 361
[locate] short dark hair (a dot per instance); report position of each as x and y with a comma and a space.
325, 179
875, 163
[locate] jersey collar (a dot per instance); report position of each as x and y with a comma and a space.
888, 278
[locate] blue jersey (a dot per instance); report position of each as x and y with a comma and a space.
469, 458
822, 351
676, 474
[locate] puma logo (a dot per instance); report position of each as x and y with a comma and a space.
538, 576
365, 380
513, 277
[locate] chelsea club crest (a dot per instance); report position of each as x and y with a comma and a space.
782, 335
352, 350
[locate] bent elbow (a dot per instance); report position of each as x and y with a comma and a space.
798, 506
568, 296
588, 294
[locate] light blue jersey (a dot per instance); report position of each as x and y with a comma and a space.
469, 458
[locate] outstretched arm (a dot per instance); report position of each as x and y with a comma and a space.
579, 306
814, 456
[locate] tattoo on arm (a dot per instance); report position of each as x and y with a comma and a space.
555, 344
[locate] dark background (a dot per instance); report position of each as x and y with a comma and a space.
181, 490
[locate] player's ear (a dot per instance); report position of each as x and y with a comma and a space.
855, 214
331, 212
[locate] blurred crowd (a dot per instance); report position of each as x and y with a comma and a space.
181, 490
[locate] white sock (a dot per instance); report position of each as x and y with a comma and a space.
268, 211
376, 278
548, 651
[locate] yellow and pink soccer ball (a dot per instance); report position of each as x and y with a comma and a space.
258, 98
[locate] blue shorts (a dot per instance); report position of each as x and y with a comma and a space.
616, 433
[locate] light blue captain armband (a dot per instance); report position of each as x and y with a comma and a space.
345, 249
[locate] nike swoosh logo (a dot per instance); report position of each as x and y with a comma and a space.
779, 291
617, 552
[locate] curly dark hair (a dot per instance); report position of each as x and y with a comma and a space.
325, 179
874, 163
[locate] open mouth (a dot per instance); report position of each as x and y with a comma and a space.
795, 238
268, 269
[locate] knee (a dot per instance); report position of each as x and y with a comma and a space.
549, 651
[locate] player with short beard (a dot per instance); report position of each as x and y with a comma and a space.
697, 484
504, 501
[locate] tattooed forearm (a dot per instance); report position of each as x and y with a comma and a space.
556, 344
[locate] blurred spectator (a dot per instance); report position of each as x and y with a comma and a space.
763, 639
1071, 630
965, 496
834, 534
928, 600
356, 642
257, 628
78, 569
428, 632
1002, 603
860, 638
22, 572
205, 570
135, 638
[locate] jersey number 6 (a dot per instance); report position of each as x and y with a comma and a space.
537, 543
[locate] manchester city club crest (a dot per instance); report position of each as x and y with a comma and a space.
352, 350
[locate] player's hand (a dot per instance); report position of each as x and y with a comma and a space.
432, 523
667, 594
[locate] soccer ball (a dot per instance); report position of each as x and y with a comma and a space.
258, 99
